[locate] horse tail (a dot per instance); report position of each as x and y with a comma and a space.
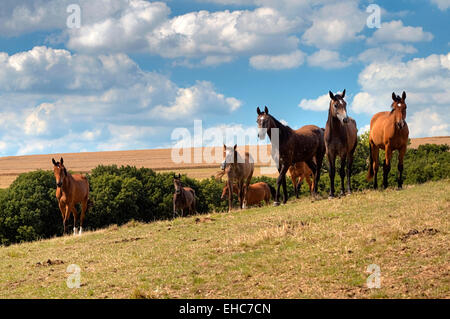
272, 191
371, 173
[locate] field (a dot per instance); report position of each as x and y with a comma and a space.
157, 159
303, 249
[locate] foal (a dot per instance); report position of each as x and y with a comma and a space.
238, 170
299, 172
340, 140
71, 190
388, 131
183, 198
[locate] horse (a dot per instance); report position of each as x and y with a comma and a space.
388, 131
341, 138
299, 172
256, 193
71, 190
291, 147
184, 197
238, 170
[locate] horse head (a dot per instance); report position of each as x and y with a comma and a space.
399, 109
59, 171
338, 107
265, 122
229, 155
177, 184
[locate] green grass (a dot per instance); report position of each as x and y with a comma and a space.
303, 249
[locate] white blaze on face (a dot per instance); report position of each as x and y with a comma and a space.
229, 155
261, 130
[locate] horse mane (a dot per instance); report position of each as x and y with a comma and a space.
285, 130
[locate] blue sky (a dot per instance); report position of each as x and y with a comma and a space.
135, 70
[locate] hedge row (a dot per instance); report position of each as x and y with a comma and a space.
29, 210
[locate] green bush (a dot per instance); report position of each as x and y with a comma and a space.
29, 209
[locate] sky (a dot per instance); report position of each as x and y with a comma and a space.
133, 71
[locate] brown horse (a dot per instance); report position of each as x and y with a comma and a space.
388, 131
341, 137
256, 193
71, 190
184, 197
299, 172
290, 147
238, 170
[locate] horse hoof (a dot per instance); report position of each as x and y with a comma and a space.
276, 204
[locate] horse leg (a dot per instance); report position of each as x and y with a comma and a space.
332, 162
315, 169
282, 174
349, 173
84, 207
401, 156
285, 193
230, 195
294, 182
376, 160
75, 218
387, 165
66, 217
342, 174
299, 186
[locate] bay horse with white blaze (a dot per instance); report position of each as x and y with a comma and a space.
341, 137
238, 170
388, 131
71, 190
183, 198
302, 145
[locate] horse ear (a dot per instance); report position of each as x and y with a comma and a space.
332, 95
394, 97
224, 147
62, 161
235, 146
258, 110
53, 161
179, 175
404, 96
343, 94
266, 110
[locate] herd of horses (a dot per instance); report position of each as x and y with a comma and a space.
301, 152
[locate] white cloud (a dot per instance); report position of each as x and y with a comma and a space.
386, 52
327, 59
48, 94
395, 31
442, 4
322, 103
278, 62
427, 83
335, 24
428, 123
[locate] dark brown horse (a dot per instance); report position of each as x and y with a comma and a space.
256, 193
238, 170
388, 131
71, 190
299, 172
341, 137
290, 147
183, 198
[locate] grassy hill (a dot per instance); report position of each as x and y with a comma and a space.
304, 249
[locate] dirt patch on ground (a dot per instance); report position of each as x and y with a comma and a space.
415, 232
50, 262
